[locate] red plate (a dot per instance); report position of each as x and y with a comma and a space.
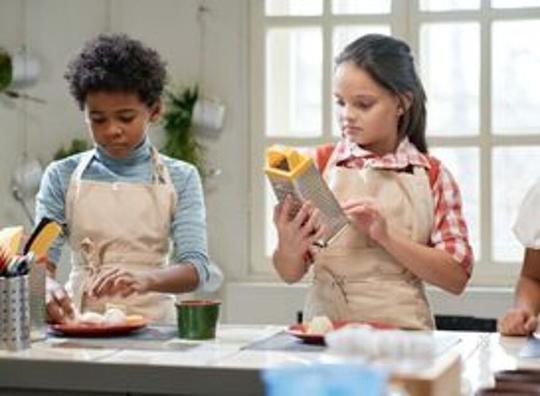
299, 330
96, 330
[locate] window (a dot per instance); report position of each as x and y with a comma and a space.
480, 72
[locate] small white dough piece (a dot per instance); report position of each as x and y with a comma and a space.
319, 325
91, 318
114, 316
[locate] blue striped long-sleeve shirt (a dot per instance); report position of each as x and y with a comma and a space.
188, 226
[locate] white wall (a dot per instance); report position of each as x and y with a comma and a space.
55, 29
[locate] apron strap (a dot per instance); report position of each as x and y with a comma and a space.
160, 173
85, 160
74, 185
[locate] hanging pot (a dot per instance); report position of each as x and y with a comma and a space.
17, 72
25, 69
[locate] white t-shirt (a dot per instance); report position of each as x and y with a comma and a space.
527, 226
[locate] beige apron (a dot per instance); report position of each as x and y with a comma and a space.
356, 279
120, 225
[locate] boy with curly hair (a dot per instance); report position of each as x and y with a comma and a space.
122, 201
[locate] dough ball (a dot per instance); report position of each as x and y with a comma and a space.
319, 325
114, 316
91, 318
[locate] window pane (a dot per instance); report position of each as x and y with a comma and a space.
514, 3
293, 7
293, 82
515, 84
463, 163
345, 34
361, 7
452, 85
514, 170
445, 5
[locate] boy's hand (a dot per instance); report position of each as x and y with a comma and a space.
518, 322
297, 235
367, 218
59, 305
119, 282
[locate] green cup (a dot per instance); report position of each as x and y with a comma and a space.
197, 319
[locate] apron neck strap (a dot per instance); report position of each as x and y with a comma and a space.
85, 160
160, 174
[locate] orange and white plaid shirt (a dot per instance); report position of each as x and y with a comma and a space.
449, 232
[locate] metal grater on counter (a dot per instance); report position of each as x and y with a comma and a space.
38, 327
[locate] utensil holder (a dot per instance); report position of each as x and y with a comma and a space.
14, 313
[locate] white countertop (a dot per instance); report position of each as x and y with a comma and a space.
212, 365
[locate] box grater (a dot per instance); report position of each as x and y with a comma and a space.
36, 280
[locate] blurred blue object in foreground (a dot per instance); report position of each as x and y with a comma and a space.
325, 380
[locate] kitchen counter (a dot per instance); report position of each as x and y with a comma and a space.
62, 366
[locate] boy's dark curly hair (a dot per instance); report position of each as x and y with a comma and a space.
116, 62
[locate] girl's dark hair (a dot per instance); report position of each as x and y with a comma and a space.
390, 63
116, 62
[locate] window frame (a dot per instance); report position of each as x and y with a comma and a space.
405, 20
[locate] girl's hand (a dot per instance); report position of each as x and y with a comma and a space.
118, 282
517, 322
297, 235
367, 218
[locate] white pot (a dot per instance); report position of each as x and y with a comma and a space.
26, 70
209, 114
27, 177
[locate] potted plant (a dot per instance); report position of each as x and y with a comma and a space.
76, 146
18, 71
180, 139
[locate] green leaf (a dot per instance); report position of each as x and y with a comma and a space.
76, 146
5, 69
180, 140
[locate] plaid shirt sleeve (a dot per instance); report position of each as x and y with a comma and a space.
449, 229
